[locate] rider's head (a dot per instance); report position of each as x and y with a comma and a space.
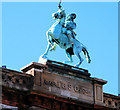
71, 16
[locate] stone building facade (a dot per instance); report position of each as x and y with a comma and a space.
54, 86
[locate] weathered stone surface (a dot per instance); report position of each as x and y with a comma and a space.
7, 107
111, 101
36, 108
55, 86
65, 86
64, 81
16, 80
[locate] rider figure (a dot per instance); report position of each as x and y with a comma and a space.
69, 26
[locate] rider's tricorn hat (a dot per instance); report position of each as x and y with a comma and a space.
71, 16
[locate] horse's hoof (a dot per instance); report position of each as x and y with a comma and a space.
66, 62
77, 65
43, 59
43, 56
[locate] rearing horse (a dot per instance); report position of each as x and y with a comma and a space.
56, 36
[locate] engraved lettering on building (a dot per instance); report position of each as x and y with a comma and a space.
67, 86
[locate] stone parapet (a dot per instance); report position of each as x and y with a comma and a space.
66, 81
55, 86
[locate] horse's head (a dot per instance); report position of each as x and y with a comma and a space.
59, 14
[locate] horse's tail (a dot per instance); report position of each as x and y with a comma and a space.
87, 56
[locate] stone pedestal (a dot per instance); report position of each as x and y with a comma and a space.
60, 80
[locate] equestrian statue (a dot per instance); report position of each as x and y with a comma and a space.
62, 33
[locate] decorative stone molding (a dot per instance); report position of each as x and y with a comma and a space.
112, 101
16, 80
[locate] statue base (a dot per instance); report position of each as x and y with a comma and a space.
42, 60
57, 79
